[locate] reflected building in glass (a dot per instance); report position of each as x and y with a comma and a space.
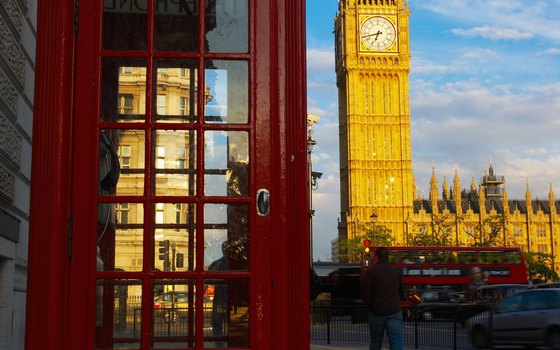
122, 163
159, 156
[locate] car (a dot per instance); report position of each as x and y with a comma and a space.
529, 318
171, 305
485, 297
437, 303
494, 293
547, 285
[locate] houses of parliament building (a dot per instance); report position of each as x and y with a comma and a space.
372, 63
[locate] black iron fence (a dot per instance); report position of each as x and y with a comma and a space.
168, 323
423, 325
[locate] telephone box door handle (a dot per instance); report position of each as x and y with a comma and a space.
263, 202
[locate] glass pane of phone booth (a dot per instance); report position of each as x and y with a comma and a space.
173, 175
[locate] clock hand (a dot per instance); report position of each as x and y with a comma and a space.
374, 34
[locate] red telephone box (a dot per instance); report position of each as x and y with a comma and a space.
169, 203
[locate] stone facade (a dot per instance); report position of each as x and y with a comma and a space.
17, 67
466, 216
376, 178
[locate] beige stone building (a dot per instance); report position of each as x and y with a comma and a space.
466, 215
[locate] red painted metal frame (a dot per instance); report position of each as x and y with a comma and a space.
61, 281
47, 282
291, 245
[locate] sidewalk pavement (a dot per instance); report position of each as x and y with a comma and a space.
316, 345
322, 345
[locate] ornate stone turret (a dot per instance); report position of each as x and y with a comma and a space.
457, 192
551, 200
473, 186
482, 202
505, 202
434, 191
528, 200
492, 182
445, 193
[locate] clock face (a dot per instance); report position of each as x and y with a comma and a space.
378, 33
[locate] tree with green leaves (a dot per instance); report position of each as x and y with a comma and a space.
441, 232
378, 235
489, 233
539, 268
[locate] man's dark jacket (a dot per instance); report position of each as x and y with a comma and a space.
383, 289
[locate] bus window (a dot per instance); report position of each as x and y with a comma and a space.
490, 257
467, 257
441, 257
410, 257
452, 257
395, 257
511, 257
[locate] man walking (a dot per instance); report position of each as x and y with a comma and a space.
383, 290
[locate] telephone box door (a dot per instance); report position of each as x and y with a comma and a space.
173, 192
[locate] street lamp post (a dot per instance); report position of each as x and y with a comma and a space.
312, 181
373, 218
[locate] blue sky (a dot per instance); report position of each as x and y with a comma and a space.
484, 84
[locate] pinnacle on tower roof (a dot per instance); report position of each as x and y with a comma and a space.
482, 200
433, 184
445, 187
456, 181
505, 199
551, 199
473, 185
528, 198
527, 190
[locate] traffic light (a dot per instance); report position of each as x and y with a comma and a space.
163, 249
164, 254
366, 253
180, 260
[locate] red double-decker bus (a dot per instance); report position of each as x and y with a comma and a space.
451, 266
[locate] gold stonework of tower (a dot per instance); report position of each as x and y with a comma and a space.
372, 67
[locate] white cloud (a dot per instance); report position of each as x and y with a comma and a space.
479, 53
422, 65
465, 123
320, 59
493, 33
327, 207
538, 17
319, 85
551, 51
434, 68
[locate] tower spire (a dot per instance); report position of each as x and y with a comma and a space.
434, 190
445, 188
528, 199
473, 186
457, 192
505, 202
482, 201
551, 199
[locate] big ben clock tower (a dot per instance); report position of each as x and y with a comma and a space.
372, 66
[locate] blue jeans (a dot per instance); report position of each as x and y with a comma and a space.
377, 327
